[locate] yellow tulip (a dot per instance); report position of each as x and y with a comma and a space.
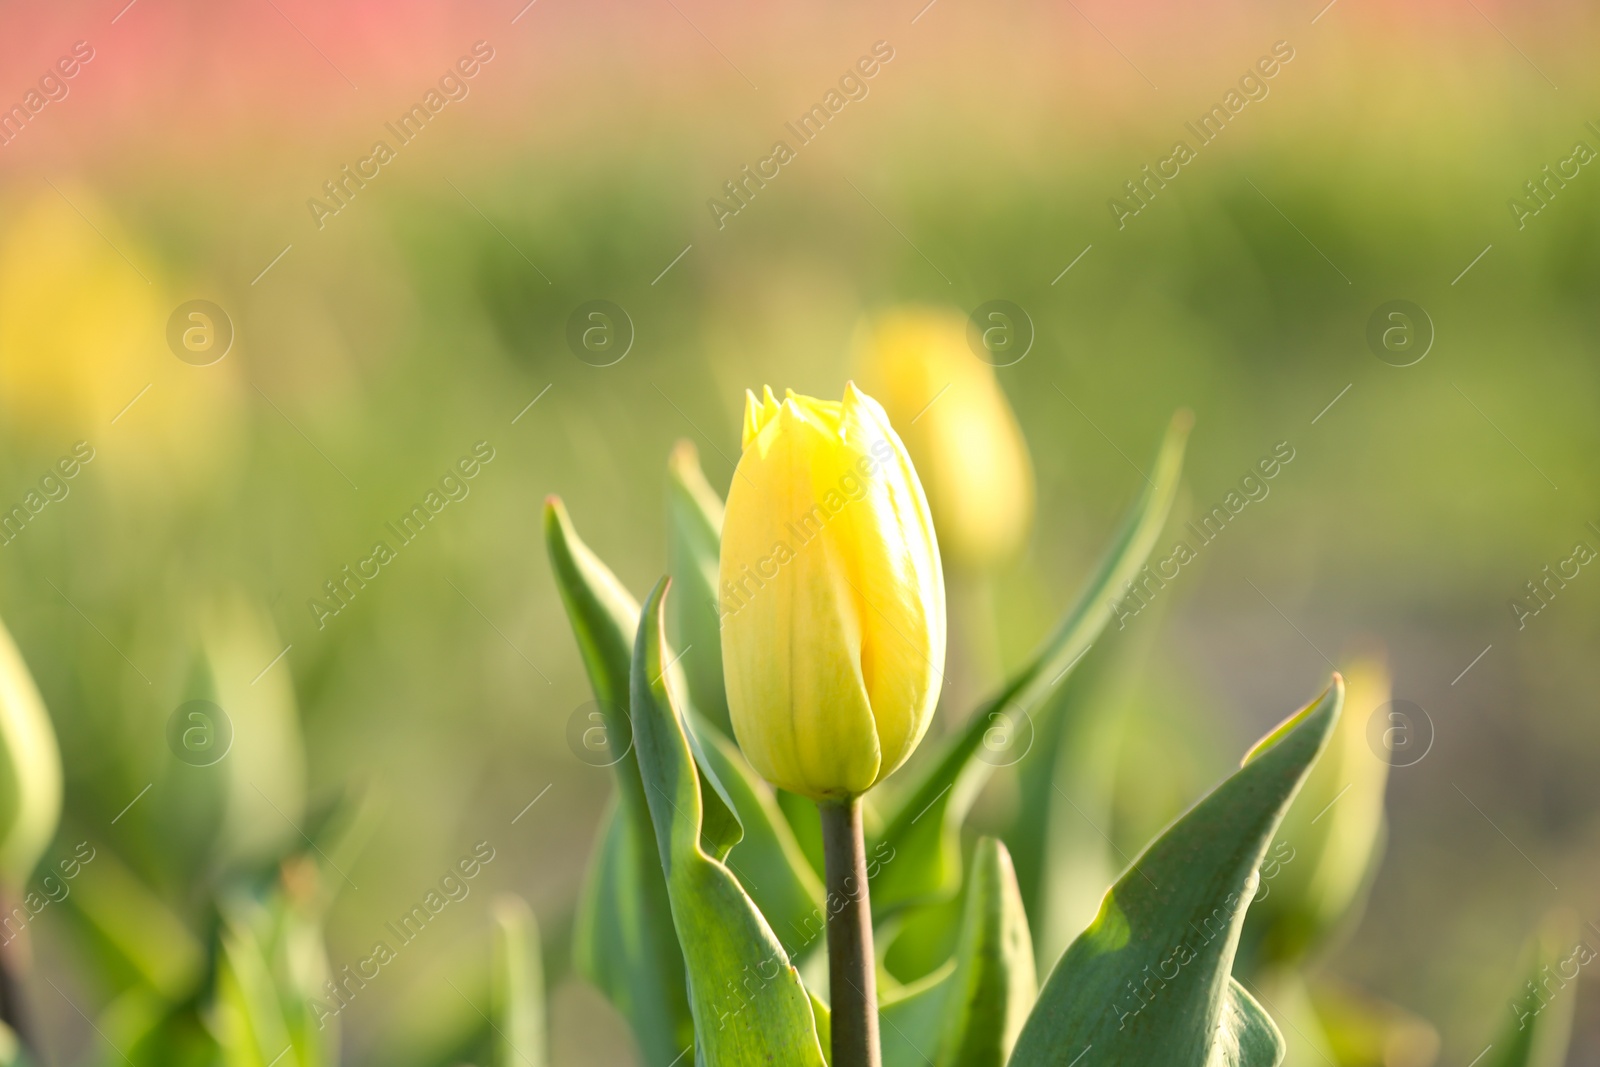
83, 336
958, 427
79, 328
833, 609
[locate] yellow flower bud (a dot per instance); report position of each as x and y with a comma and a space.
83, 335
958, 426
833, 611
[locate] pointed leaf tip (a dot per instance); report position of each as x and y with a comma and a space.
683, 454
1328, 704
625, 941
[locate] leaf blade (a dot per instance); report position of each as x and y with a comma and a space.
718, 926
1541, 1029
516, 991
625, 943
694, 551
1178, 909
767, 861
941, 798
994, 984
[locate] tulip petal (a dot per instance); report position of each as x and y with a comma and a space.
791, 632
758, 413
900, 594
833, 597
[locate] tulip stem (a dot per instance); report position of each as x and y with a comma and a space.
852, 975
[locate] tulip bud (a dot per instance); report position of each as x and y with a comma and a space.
958, 426
83, 334
833, 608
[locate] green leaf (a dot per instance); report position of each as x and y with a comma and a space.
1540, 1027
1067, 784
1284, 993
249, 1019
968, 1013
768, 861
146, 1028
269, 1009
264, 774
694, 549
923, 828
1149, 981
921, 938
134, 930
516, 989
801, 814
748, 1001
722, 827
1319, 870
910, 1020
1246, 1035
30, 770
624, 942
994, 984
819, 1011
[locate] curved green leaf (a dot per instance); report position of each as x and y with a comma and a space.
144, 1027
1246, 1034
1540, 1028
748, 1001
250, 1023
923, 827
624, 942
265, 772
694, 549
801, 814
768, 860
722, 828
1067, 785
920, 938
516, 990
910, 1019
134, 930
272, 1007
994, 984
1291, 1006
604, 617
968, 1013
1316, 877
1149, 980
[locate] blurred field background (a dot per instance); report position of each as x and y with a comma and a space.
427, 314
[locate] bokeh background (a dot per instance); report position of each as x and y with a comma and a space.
372, 352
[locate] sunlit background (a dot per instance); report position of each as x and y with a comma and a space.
377, 346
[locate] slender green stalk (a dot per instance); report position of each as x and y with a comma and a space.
852, 976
